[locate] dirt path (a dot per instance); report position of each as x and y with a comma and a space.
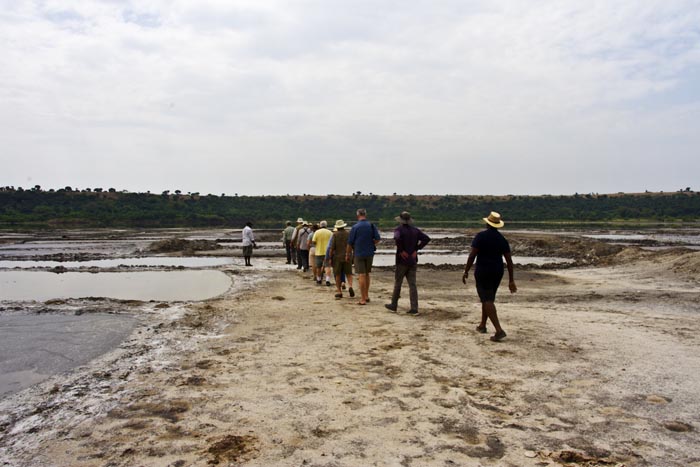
596, 370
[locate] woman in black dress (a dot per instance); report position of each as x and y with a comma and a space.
488, 249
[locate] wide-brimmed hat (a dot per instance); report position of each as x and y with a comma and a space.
300, 221
303, 222
339, 224
404, 218
494, 220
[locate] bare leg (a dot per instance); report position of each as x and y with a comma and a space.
490, 309
362, 278
367, 288
484, 316
337, 284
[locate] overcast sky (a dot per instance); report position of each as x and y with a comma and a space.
327, 96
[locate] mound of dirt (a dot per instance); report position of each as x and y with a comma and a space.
687, 263
585, 251
171, 245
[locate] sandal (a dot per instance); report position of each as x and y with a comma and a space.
351, 292
481, 330
338, 296
498, 336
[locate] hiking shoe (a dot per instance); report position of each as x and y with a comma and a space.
412, 312
390, 307
328, 284
351, 292
498, 336
481, 330
318, 282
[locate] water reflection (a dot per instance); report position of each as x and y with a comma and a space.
164, 261
151, 285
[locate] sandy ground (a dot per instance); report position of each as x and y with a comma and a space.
600, 367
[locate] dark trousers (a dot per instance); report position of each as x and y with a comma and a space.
409, 272
299, 257
291, 254
304, 259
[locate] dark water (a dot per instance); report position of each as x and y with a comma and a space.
34, 347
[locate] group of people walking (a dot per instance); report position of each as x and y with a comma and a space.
335, 251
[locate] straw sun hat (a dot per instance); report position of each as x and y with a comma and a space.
339, 224
494, 220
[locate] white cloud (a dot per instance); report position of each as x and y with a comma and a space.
403, 96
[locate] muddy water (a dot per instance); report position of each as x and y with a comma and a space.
33, 347
151, 285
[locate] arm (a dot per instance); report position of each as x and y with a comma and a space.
511, 281
330, 249
423, 240
470, 261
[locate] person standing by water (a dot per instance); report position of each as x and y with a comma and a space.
248, 242
287, 234
362, 242
409, 240
488, 249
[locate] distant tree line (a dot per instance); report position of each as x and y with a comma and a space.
95, 207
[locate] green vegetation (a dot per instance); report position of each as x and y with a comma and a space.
110, 208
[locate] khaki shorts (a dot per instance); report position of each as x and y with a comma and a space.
319, 260
363, 265
342, 267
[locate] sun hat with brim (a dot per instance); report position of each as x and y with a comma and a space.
339, 224
404, 218
304, 222
300, 221
494, 220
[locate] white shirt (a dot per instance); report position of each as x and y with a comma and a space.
248, 237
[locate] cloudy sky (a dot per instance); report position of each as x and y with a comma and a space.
330, 96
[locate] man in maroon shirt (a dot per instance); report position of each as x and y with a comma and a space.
409, 240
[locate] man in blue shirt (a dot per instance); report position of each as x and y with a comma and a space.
409, 240
362, 242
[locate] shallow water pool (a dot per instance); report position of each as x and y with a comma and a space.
163, 261
148, 285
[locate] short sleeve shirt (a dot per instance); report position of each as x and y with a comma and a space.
321, 237
362, 237
492, 246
